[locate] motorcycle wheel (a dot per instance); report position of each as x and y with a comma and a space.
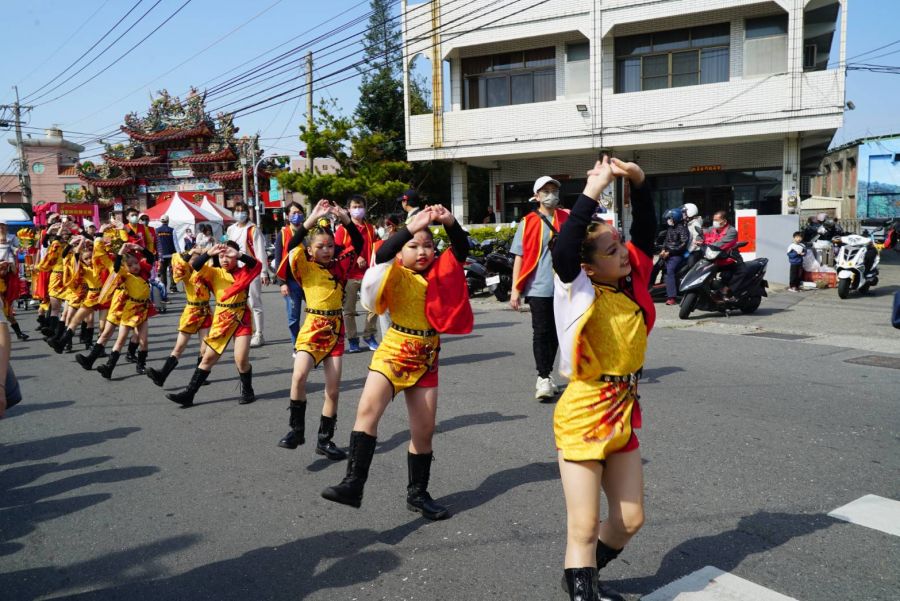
502, 293
844, 288
688, 304
751, 304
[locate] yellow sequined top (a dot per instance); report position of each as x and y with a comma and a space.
324, 290
403, 294
613, 337
182, 272
53, 260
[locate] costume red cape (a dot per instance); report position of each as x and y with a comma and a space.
243, 277
447, 304
533, 241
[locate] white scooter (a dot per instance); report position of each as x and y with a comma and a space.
850, 265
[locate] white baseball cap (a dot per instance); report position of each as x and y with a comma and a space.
543, 181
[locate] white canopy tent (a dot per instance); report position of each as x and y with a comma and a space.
185, 214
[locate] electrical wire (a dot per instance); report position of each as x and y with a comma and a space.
127, 52
30, 96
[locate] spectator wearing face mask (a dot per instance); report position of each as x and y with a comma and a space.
533, 277
291, 289
357, 209
250, 241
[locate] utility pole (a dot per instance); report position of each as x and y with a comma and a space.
256, 205
309, 105
244, 161
24, 178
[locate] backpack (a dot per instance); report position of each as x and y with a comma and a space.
895, 315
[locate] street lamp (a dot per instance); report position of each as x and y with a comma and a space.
256, 185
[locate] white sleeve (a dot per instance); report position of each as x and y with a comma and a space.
259, 248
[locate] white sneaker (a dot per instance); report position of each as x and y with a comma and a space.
257, 340
553, 384
543, 388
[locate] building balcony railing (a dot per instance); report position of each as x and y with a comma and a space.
762, 106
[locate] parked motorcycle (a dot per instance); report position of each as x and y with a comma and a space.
850, 265
474, 267
499, 265
702, 284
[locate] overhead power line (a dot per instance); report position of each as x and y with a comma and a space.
126, 53
97, 43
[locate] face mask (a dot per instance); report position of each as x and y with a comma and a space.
241, 216
133, 219
381, 232
670, 221
296, 219
357, 212
717, 224
550, 199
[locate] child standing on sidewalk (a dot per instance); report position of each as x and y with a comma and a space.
795, 253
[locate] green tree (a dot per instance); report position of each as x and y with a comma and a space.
365, 162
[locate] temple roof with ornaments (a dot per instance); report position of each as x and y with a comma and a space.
176, 144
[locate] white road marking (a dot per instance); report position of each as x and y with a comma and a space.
872, 511
712, 584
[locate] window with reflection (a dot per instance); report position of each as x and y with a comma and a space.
509, 78
673, 59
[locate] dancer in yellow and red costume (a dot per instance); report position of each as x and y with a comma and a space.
603, 314
426, 296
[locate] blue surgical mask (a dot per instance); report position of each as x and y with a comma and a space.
133, 219
241, 216
296, 219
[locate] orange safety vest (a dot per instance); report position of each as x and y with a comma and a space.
533, 242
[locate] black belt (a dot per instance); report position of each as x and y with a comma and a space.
57, 271
145, 301
412, 332
199, 304
94, 289
232, 305
629, 378
329, 313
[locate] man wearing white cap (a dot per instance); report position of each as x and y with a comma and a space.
533, 277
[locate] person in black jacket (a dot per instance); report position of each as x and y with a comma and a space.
676, 244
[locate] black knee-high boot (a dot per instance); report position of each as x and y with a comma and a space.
605, 554
417, 497
88, 338
350, 490
199, 361
87, 361
140, 365
49, 327
324, 445
132, 349
582, 584
82, 333
297, 422
59, 344
107, 368
19, 333
247, 394
185, 398
159, 377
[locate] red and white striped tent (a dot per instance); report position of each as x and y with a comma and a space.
185, 213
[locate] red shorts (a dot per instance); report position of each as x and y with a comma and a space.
430, 379
246, 327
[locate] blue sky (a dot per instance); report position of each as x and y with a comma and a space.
207, 39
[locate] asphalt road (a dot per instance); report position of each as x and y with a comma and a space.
108, 491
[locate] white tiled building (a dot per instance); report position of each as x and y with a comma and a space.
725, 103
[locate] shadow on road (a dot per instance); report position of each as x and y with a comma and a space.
757, 533
500, 483
474, 358
653, 375
291, 571
35, 450
448, 425
496, 324
23, 408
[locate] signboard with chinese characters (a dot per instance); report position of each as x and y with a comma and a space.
181, 172
175, 155
705, 168
183, 186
